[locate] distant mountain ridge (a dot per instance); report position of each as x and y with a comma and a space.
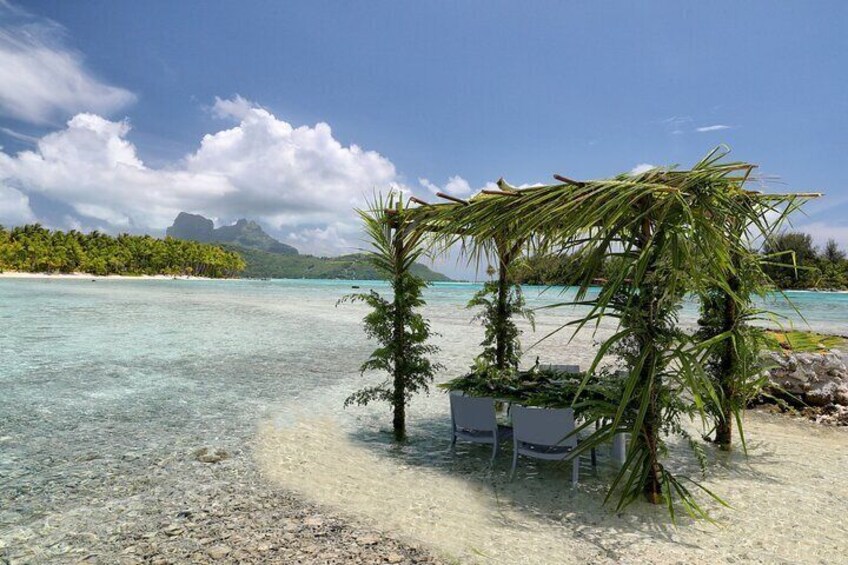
268, 258
243, 233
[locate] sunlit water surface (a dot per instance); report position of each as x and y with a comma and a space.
133, 365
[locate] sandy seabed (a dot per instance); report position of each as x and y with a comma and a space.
789, 496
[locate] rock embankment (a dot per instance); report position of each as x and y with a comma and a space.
815, 382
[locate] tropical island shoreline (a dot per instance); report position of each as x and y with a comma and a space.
89, 276
160, 277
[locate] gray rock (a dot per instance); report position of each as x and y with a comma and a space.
218, 551
211, 455
819, 379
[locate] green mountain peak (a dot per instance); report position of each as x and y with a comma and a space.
244, 233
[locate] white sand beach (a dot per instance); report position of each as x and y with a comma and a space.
84, 276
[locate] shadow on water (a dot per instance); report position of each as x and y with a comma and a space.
542, 490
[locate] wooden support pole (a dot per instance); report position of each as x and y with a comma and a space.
452, 198
567, 180
783, 195
504, 259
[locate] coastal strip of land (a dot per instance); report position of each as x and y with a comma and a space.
88, 276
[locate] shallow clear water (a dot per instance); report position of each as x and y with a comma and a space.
113, 368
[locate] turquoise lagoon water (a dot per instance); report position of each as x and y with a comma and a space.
77, 344
78, 353
106, 385
64, 341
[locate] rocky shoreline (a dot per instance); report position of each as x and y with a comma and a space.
815, 385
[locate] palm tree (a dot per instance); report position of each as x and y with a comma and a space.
397, 325
34, 248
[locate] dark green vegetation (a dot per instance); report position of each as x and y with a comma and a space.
817, 268
652, 238
267, 258
397, 324
35, 249
732, 346
542, 387
825, 268
357, 266
554, 270
501, 343
243, 233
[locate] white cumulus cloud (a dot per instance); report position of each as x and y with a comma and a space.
641, 168
235, 107
14, 207
299, 180
455, 186
822, 231
41, 79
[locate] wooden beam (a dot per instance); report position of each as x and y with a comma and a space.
567, 180
767, 195
452, 198
500, 192
419, 201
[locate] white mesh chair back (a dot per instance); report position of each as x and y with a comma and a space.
544, 433
544, 426
473, 413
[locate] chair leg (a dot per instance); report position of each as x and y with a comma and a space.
514, 463
575, 471
594, 459
495, 449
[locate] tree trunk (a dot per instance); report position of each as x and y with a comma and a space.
729, 367
399, 381
653, 482
399, 401
503, 289
653, 418
652, 487
724, 430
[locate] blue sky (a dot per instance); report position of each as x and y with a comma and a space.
114, 115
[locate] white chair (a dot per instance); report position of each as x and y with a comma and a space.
572, 369
473, 419
544, 433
